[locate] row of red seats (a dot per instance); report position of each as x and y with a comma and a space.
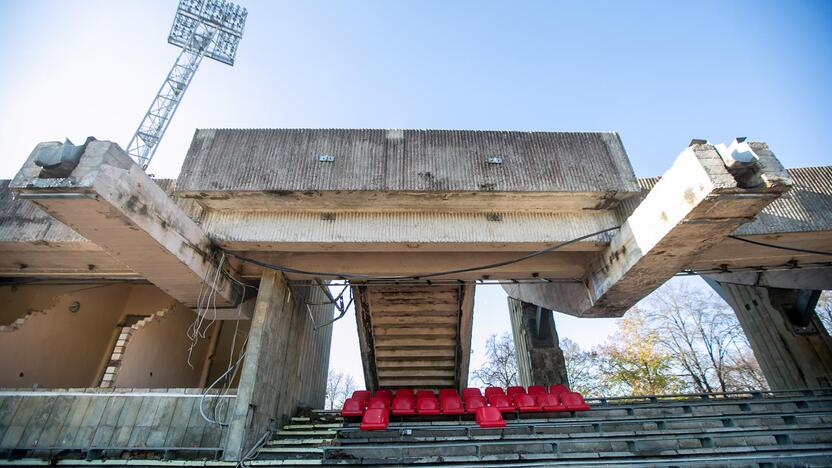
424, 402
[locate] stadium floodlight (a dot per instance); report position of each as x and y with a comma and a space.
202, 28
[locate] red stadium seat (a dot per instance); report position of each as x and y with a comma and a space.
403, 406
450, 404
352, 407
537, 390
408, 392
378, 403
375, 419
488, 416
526, 403
493, 391
557, 389
427, 406
502, 403
362, 394
385, 393
470, 391
550, 402
447, 392
511, 391
573, 401
425, 394
473, 402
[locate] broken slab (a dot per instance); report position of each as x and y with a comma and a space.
694, 206
109, 200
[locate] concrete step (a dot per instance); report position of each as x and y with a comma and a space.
320, 433
296, 442
303, 427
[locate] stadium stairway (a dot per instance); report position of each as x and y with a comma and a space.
757, 429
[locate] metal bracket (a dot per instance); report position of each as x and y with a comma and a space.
326, 158
494, 159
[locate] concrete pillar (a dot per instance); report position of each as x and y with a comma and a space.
792, 347
271, 383
539, 357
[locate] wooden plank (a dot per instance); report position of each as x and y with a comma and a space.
416, 383
411, 320
180, 420
92, 418
384, 342
422, 353
414, 364
144, 421
161, 422
384, 374
419, 310
414, 332
38, 422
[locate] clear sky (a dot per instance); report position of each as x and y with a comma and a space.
659, 73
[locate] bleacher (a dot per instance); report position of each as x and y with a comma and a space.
791, 428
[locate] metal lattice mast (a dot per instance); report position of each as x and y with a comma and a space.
202, 28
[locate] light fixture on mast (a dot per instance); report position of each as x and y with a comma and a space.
202, 28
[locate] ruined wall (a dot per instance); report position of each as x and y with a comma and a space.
156, 355
53, 346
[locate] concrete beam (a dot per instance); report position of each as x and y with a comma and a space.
694, 206
109, 200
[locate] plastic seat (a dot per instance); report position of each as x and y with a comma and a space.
488, 416
427, 406
557, 389
470, 391
451, 404
378, 403
352, 407
574, 401
425, 394
443, 392
403, 406
375, 419
473, 402
493, 391
537, 390
526, 403
550, 403
385, 393
514, 390
362, 394
502, 403
405, 392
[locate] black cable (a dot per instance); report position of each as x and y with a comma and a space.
781, 247
286, 269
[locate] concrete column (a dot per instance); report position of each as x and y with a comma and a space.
539, 357
792, 346
272, 380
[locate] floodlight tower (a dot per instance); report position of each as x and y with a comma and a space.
202, 28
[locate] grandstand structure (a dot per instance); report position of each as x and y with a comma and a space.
188, 321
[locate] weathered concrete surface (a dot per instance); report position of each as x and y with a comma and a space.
109, 200
539, 357
405, 170
791, 345
694, 205
286, 361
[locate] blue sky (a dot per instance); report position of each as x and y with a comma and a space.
659, 73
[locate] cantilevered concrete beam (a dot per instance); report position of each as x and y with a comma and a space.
109, 200
695, 204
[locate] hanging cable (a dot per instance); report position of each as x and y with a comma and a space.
552, 248
782, 247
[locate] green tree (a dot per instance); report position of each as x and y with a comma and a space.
635, 363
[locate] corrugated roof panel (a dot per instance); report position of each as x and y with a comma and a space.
405, 160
